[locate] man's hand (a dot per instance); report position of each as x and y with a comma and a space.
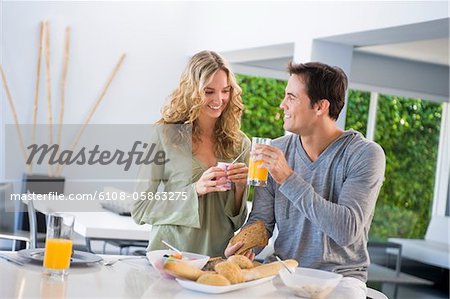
231, 250
273, 158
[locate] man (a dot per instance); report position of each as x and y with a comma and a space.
323, 182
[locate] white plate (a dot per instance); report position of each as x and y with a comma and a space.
204, 288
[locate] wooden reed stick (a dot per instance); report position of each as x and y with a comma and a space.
36, 89
49, 90
63, 88
16, 119
97, 103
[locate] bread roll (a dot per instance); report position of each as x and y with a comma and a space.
231, 271
267, 270
241, 260
214, 280
182, 270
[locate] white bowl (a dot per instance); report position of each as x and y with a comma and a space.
156, 258
310, 283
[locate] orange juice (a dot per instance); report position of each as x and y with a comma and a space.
57, 254
257, 176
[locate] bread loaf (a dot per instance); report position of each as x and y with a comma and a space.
253, 235
266, 270
182, 270
213, 279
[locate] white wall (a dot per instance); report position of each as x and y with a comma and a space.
236, 24
158, 38
151, 34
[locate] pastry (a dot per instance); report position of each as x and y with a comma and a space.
231, 271
241, 260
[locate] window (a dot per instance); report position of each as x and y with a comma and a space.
262, 116
408, 130
357, 110
447, 209
262, 97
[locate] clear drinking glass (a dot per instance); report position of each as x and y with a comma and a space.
58, 244
53, 288
257, 176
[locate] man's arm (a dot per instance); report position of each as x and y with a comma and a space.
262, 209
345, 220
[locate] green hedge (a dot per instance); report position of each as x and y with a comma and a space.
262, 96
408, 130
262, 116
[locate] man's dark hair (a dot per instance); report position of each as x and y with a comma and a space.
322, 82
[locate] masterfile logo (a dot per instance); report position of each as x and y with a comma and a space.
146, 155
101, 152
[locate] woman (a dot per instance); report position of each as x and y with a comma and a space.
208, 100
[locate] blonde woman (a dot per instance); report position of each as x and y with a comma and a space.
208, 99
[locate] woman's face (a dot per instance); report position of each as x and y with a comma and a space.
217, 96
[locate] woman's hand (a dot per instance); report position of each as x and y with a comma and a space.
208, 181
237, 173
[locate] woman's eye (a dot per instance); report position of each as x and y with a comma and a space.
209, 92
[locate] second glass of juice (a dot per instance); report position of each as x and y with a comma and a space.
58, 244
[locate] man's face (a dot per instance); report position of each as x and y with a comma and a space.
299, 117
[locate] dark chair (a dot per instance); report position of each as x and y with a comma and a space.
125, 245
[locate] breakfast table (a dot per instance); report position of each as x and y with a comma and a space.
132, 277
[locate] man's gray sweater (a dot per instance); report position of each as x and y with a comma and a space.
323, 211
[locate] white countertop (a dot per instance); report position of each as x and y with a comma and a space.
125, 279
107, 225
92, 221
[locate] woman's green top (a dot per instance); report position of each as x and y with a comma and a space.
201, 224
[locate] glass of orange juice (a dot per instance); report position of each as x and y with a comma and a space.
58, 244
257, 175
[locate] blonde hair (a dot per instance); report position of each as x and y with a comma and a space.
185, 103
